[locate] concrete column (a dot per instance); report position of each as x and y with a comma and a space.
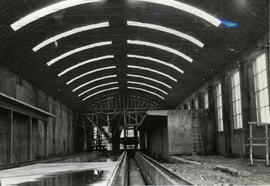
46, 149
10, 153
212, 117
200, 97
125, 131
226, 88
30, 138
244, 79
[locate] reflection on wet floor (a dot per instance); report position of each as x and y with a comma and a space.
106, 159
82, 178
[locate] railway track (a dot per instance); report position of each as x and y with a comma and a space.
152, 172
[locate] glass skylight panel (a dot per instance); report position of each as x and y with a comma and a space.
157, 61
84, 63
152, 70
90, 72
144, 90
187, 8
47, 11
166, 30
150, 79
161, 47
104, 43
92, 81
68, 33
99, 92
98, 86
147, 85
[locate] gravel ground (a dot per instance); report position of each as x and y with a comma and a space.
204, 174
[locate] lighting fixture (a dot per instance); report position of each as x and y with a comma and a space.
71, 52
68, 33
161, 47
47, 11
152, 70
92, 81
105, 90
150, 92
90, 72
85, 62
147, 85
157, 61
166, 30
150, 79
187, 8
98, 86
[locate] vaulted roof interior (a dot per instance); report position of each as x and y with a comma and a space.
242, 23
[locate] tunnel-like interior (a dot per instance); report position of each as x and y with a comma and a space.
81, 76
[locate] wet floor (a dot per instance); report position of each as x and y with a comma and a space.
82, 178
59, 174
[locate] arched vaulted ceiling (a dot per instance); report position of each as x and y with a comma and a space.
81, 51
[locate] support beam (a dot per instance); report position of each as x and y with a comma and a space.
30, 136
100, 128
10, 153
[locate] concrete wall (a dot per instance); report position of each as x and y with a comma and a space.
231, 141
179, 130
169, 135
48, 138
157, 136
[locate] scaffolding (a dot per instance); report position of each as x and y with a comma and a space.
251, 140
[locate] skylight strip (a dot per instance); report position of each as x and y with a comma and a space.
150, 79
71, 52
98, 86
105, 90
84, 63
90, 72
147, 85
68, 33
157, 61
150, 92
47, 11
152, 70
92, 81
167, 30
161, 47
187, 8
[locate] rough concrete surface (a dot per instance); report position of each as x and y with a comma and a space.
205, 174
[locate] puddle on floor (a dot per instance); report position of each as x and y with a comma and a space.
82, 178
105, 159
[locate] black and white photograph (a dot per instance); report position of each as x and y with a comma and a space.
134, 92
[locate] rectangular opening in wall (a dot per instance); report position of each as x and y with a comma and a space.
196, 103
219, 107
236, 100
261, 88
206, 101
